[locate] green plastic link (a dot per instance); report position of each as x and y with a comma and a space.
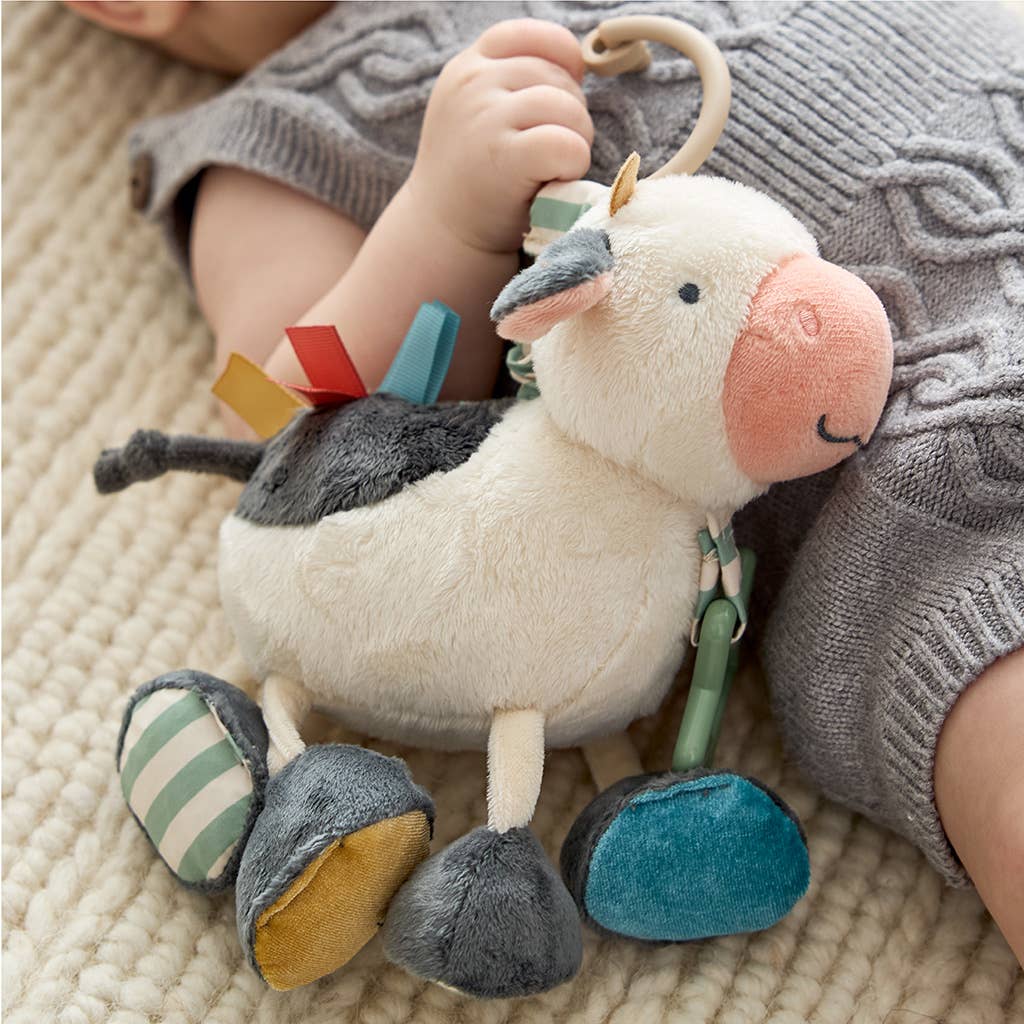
713, 670
709, 672
705, 597
520, 367
726, 545
749, 566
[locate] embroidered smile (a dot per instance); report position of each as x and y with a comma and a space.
833, 439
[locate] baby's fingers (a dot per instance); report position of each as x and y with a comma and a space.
546, 104
517, 73
549, 152
528, 37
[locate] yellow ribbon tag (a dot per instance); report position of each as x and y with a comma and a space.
263, 403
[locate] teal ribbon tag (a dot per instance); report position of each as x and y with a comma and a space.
422, 362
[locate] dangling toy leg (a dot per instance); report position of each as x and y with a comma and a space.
689, 853
681, 855
489, 915
342, 829
612, 758
192, 756
515, 768
285, 706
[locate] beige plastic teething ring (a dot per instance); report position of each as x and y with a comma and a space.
617, 46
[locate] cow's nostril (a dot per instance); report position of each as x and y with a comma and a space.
808, 321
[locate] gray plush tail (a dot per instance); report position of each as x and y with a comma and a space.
149, 454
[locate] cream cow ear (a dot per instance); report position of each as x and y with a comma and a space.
571, 275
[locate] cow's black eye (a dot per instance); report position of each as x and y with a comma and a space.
689, 293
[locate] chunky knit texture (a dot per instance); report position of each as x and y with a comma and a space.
896, 133
101, 594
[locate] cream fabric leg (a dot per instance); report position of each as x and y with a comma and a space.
285, 705
515, 767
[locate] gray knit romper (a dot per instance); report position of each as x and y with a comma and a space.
895, 132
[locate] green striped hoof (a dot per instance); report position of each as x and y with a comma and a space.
192, 756
342, 830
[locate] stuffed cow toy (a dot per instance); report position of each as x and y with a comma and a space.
507, 576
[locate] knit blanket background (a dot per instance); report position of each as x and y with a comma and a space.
101, 335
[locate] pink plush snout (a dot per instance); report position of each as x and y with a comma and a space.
809, 371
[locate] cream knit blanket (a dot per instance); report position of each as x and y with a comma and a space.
100, 594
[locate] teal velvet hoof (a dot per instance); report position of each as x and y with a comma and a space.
683, 856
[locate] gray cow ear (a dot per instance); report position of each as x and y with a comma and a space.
571, 275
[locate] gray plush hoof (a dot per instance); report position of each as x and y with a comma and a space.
678, 856
192, 757
342, 829
488, 916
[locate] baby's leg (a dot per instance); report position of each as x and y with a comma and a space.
262, 254
979, 789
888, 614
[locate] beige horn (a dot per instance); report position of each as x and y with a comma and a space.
625, 184
617, 46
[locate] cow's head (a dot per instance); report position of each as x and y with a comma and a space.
688, 329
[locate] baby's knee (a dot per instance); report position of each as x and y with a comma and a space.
979, 776
1007, 828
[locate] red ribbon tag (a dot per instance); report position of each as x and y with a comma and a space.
333, 379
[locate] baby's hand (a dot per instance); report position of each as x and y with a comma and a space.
505, 116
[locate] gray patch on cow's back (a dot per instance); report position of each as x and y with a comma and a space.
342, 458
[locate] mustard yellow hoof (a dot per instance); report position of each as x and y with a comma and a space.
337, 904
342, 830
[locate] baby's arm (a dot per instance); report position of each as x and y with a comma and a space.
505, 116
262, 253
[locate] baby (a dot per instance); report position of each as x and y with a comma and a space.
307, 193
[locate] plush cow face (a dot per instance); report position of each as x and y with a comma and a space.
696, 336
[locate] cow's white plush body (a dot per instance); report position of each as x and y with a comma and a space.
538, 574
554, 572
